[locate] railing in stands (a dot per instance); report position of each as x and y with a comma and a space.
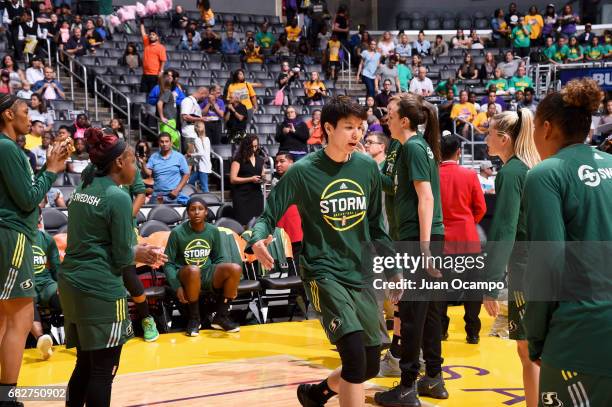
100, 88
219, 175
347, 54
550, 73
68, 62
471, 142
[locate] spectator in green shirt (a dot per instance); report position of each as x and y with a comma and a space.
594, 51
520, 81
444, 86
264, 38
405, 74
500, 83
561, 50
575, 52
521, 40
549, 50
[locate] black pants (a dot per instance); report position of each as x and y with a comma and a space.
214, 131
148, 82
92, 379
421, 328
472, 321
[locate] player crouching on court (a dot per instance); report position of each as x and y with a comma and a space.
322, 185
196, 266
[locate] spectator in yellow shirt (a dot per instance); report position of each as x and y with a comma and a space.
482, 121
333, 56
242, 89
535, 22
463, 113
314, 89
293, 31
251, 54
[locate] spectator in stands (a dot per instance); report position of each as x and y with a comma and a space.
229, 45
16, 75
475, 40
500, 103
77, 45
153, 60
38, 111
421, 45
211, 43
79, 160
510, 65
49, 88
594, 51
29, 32
314, 90
251, 54
315, 131
341, 25
528, 100
467, 70
131, 57
536, 23
440, 47
25, 92
460, 41
188, 44
53, 199
421, 84
246, 176
513, 16
388, 72
464, 113
486, 178
208, 16
287, 76
487, 69
417, 62
236, 119
386, 45
499, 82
21, 143
40, 152
77, 22
444, 109
281, 48
575, 52
568, 20
117, 126
403, 49
169, 170
404, 74
333, 57
92, 36
34, 138
293, 32
292, 134
213, 110
11, 17
500, 31
368, 67
376, 147
5, 82
81, 123
244, 90
521, 38
167, 112
520, 81
179, 19
201, 154
550, 21
382, 98
179, 93
561, 50
444, 86
304, 53
191, 114
483, 119
587, 36
36, 72
549, 50
290, 8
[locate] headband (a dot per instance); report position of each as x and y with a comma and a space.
196, 199
7, 101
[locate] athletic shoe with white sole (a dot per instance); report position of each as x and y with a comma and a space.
389, 366
193, 328
223, 323
150, 329
44, 344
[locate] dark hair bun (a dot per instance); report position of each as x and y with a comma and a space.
99, 144
582, 93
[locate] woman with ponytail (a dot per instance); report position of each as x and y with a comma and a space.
418, 214
20, 194
98, 267
567, 199
511, 139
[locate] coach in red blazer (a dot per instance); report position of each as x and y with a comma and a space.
463, 206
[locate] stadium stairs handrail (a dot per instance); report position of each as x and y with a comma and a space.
70, 67
100, 84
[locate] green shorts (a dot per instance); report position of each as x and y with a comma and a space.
343, 310
92, 323
516, 311
45, 291
573, 389
16, 265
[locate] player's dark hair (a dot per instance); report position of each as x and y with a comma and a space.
338, 108
103, 148
420, 112
7, 102
570, 110
449, 146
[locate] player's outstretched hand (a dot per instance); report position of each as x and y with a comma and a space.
149, 254
260, 249
395, 295
58, 153
491, 305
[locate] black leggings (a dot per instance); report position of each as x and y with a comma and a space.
92, 379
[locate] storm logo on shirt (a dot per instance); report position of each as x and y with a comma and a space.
343, 204
40, 259
196, 253
592, 177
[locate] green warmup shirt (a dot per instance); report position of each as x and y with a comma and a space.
596, 53
100, 238
416, 163
340, 207
508, 224
188, 247
20, 190
500, 84
137, 187
559, 54
567, 198
521, 82
388, 184
519, 38
46, 259
575, 52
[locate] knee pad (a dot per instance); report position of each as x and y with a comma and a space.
132, 282
372, 361
353, 356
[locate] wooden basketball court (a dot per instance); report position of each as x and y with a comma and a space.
263, 364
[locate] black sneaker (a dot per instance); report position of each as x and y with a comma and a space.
193, 328
398, 396
223, 323
303, 395
432, 387
473, 340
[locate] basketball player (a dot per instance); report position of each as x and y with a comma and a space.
98, 267
196, 266
511, 139
20, 194
337, 193
566, 201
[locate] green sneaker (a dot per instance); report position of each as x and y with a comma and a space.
150, 329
